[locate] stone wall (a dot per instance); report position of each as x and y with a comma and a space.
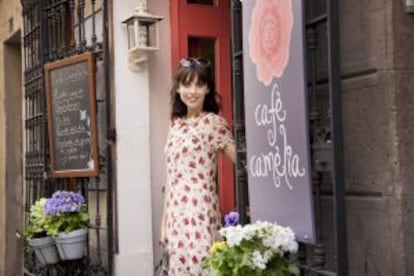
11, 196
402, 75
377, 49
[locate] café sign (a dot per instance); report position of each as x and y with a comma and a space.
277, 133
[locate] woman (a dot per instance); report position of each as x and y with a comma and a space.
191, 216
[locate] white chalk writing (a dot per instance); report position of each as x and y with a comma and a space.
281, 163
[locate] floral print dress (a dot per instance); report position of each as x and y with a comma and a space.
192, 204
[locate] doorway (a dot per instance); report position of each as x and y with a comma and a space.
201, 28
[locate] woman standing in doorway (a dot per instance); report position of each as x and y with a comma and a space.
197, 134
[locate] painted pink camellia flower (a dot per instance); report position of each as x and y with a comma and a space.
269, 37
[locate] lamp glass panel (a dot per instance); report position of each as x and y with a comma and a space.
143, 39
131, 35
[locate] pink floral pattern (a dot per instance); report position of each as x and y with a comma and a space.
192, 205
269, 37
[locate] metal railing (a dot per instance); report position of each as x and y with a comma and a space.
54, 30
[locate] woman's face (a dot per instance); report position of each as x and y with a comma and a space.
193, 95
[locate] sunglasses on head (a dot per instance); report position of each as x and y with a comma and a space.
188, 62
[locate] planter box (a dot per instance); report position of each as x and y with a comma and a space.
71, 246
45, 250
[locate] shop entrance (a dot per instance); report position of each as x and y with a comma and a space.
201, 28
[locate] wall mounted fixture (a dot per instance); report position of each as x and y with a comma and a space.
409, 6
142, 31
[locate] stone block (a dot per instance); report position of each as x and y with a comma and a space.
404, 101
363, 27
402, 43
368, 129
374, 242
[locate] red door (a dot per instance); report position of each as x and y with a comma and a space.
201, 28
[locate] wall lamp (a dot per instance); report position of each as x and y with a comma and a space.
143, 36
409, 6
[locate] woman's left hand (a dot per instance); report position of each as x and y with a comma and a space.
230, 152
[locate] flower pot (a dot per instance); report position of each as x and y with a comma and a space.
71, 246
45, 250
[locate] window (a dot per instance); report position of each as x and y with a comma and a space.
202, 2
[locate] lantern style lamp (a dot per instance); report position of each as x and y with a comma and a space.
409, 6
143, 36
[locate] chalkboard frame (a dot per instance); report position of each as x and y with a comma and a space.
48, 68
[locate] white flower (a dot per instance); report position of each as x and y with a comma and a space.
258, 261
260, 242
233, 235
267, 255
275, 238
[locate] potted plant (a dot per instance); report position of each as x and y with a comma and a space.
36, 234
256, 249
68, 223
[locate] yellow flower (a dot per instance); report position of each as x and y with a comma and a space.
217, 246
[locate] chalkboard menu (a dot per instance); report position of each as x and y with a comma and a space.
70, 88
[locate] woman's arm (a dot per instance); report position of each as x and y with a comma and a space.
230, 152
163, 234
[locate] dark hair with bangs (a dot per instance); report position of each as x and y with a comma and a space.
188, 70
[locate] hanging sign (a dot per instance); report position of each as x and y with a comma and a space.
70, 88
277, 134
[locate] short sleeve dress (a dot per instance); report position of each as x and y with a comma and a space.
192, 204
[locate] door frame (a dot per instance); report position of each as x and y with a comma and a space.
202, 21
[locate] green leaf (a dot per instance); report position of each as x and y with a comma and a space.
293, 269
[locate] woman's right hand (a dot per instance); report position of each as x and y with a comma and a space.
163, 236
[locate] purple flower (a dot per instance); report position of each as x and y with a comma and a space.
51, 207
64, 202
231, 219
